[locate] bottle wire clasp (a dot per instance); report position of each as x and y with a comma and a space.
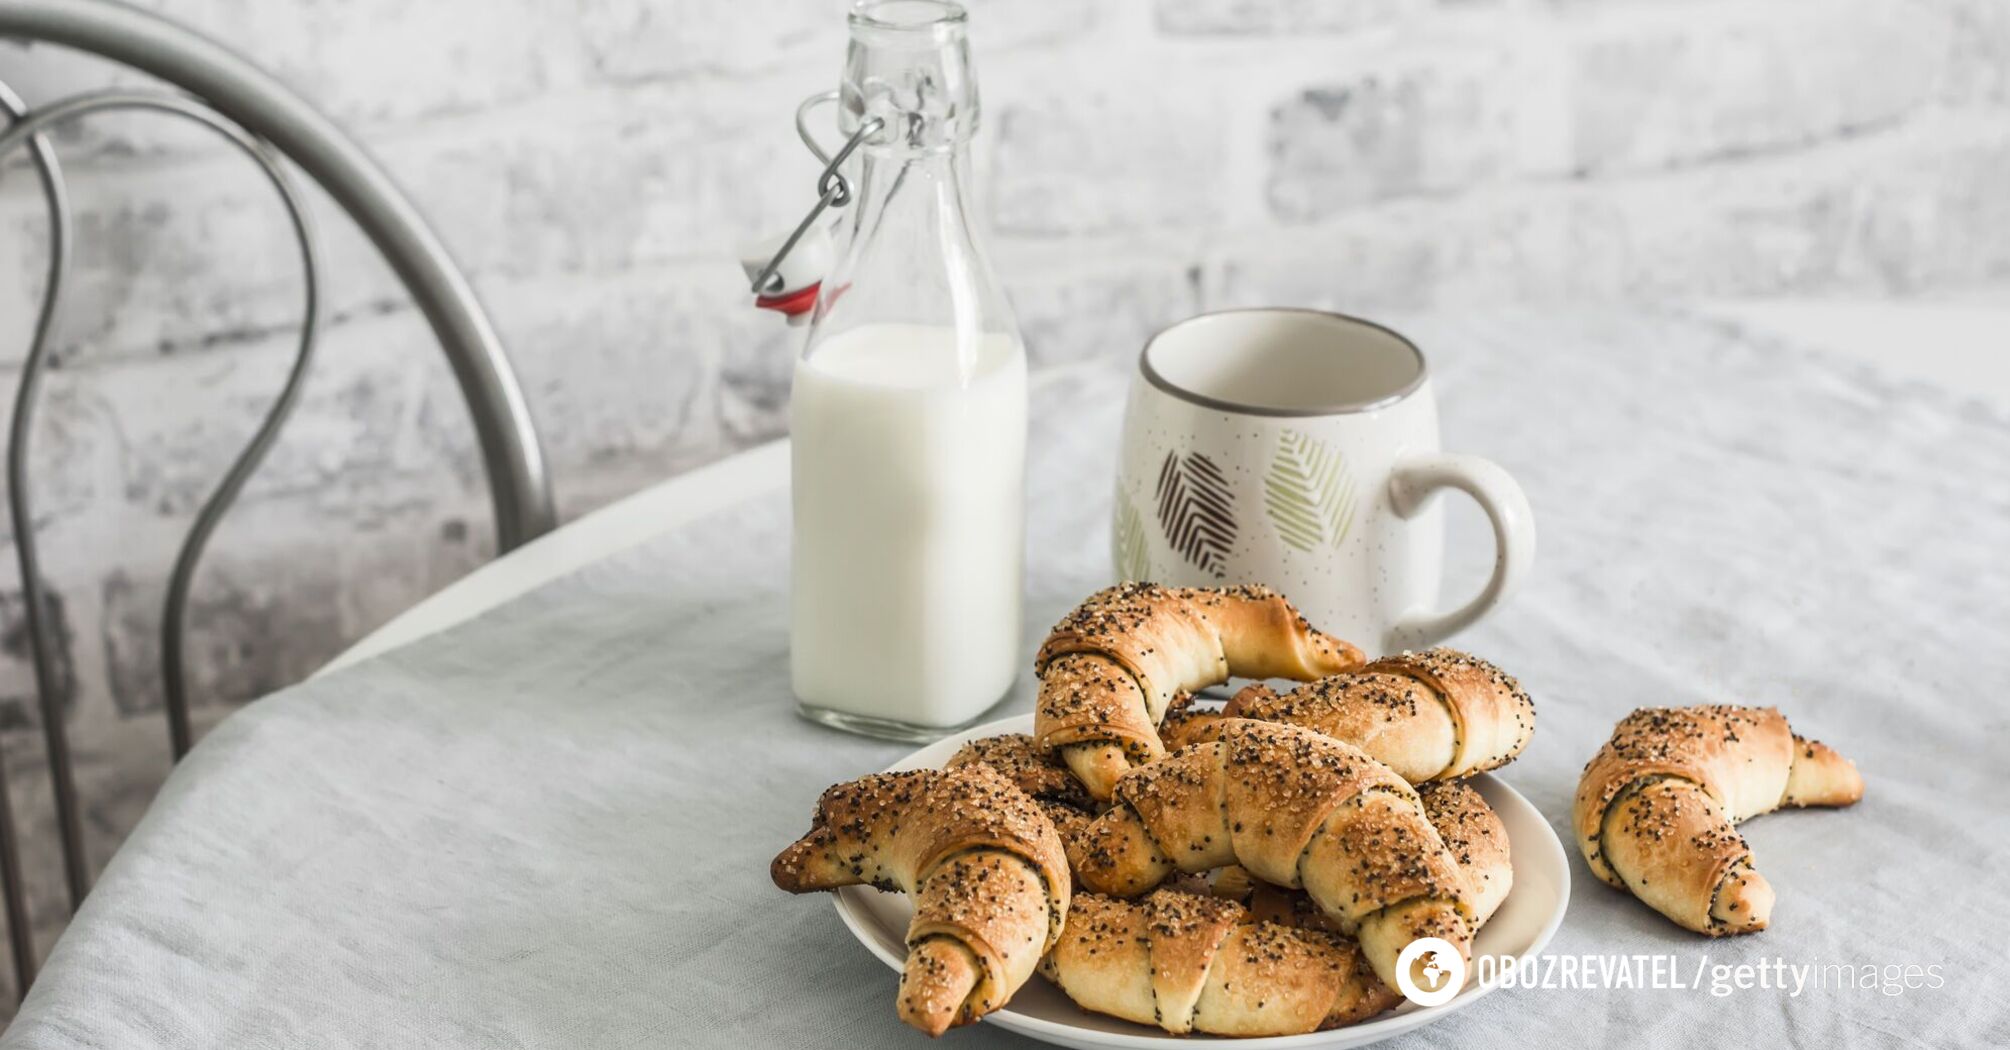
791, 288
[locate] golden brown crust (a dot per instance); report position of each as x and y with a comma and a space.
985, 867
1393, 718
1378, 852
1656, 806
1071, 823
1191, 963
1477, 839
1112, 667
1434, 715
1186, 932
1181, 802
1495, 716
935, 984
1152, 633
991, 904
1716, 747
1187, 725
1286, 784
1296, 809
1032, 769
1166, 635
1675, 847
1471, 830
1103, 960
1088, 698
1821, 777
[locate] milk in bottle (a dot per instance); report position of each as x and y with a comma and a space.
908, 414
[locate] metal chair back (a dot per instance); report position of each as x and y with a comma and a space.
220, 90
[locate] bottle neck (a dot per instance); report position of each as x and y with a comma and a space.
908, 66
919, 204
911, 253
913, 223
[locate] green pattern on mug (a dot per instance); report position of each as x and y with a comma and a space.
1128, 546
1308, 492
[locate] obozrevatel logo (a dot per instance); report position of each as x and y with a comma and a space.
1440, 977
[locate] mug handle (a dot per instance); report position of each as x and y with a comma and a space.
1412, 483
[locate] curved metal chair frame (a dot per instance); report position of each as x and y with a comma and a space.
225, 93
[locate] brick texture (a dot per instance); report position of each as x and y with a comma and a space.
1426, 123
595, 163
1766, 78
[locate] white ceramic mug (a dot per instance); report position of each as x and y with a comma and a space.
1299, 449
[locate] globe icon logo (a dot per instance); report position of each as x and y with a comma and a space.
1430, 971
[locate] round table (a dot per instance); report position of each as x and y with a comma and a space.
542, 814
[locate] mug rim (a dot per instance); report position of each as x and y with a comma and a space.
1338, 408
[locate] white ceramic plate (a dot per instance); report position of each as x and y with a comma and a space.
1521, 927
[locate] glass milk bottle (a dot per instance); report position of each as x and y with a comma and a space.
908, 414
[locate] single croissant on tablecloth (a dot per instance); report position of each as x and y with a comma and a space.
1432, 715
1110, 668
1191, 963
1656, 805
1299, 810
984, 868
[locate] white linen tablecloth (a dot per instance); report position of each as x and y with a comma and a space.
551, 826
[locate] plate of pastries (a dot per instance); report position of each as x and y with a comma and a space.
1126, 866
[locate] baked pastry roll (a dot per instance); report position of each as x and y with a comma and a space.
985, 869
1192, 963
1439, 714
1472, 831
1656, 806
1299, 810
1109, 670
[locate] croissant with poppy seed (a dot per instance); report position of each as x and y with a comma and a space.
1433, 715
1191, 963
984, 867
1299, 810
1109, 670
1036, 772
1656, 807
1472, 831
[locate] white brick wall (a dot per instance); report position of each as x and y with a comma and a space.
593, 162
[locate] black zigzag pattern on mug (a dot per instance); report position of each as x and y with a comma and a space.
1196, 511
